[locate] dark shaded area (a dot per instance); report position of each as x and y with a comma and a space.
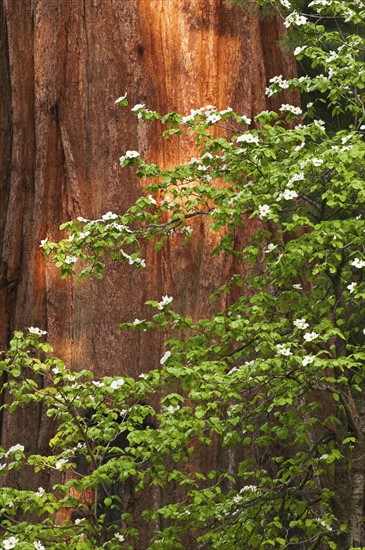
116, 447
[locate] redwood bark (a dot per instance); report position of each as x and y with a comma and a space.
63, 65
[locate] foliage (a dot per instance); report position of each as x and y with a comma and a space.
275, 381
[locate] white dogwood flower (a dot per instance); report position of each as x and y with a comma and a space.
165, 357
264, 210
121, 98
295, 18
109, 216
165, 301
138, 107
351, 287
288, 195
71, 260
309, 336
9, 543
129, 155
358, 263
14, 449
301, 323
116, 384
37, 331
286, 107
248, 138
283, 349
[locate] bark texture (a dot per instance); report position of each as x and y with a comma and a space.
63, 64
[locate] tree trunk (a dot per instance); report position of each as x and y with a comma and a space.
63, 65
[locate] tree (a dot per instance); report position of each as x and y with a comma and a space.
273, 379
64, 64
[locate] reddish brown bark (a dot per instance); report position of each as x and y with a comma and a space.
63, 65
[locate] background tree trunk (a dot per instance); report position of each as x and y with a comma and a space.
63, 64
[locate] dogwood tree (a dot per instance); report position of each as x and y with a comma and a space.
275, 382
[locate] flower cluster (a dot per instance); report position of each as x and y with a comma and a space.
37, 331
295, 18
301, 324
316, 162
309, 336
283, 349
61, 463
9, 543
270, 247
358, 263
138, 107
139, 262
296, 177
209, 115
299, 49
40, 492
248, 138
277, 83
109, 216
213, 118
116, 384
14, 449
128, 155
70, 260
166, 300
288, 195
264, 210
291, 109
187, 230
